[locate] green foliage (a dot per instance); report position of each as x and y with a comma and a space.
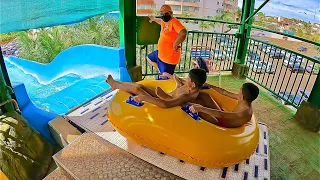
43, 45
224, 16
4, 38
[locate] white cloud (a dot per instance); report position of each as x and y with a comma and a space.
307, 10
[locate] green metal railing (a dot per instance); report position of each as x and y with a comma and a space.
287, 74
218, 49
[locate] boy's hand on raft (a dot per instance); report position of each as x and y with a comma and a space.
139, 98
195, 108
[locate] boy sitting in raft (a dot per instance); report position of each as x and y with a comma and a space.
183, 94
210, 111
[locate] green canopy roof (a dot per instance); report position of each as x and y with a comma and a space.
19, 15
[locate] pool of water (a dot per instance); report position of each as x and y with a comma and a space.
62, 94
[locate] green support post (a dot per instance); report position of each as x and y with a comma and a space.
248, 8
315, 93
128, 30
308, 113
4, 89
239, 69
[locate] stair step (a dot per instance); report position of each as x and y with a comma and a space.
59, 174
91, 157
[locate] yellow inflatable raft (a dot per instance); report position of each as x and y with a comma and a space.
174, 132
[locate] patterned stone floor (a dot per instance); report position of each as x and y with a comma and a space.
91, 157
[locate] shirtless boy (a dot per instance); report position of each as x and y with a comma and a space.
183, 94
210, 111
236, 118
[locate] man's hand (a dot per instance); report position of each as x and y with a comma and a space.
152, 18
176, 47
195, 108
139, 98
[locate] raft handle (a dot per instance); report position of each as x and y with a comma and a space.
162, 78
195, 116
133, 102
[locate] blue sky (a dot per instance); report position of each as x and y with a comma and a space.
299, 9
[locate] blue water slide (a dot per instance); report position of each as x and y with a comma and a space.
83, 60
37, 118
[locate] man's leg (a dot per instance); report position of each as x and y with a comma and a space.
152, 59
132, 88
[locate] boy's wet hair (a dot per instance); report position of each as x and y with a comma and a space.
250, 92
198, 76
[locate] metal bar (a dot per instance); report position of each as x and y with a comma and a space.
185, 52
283, 75
297, 77
299, 86
276, 32
313, 85
315, 95
208, 20
274, 72
257, 10
235, 52
290, 78
250, 62
191, 53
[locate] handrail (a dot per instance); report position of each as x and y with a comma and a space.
280, 47
257, 10
295, 37
206, 32
14, 102
209, 20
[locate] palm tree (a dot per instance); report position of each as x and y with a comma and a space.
204, 25
224, 16
239, 13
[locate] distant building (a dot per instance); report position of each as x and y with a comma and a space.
195, 8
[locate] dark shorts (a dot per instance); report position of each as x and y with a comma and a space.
163, 67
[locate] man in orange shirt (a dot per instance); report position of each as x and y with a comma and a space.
172, 34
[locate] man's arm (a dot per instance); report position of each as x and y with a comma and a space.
181, 37
178, 101
154, 19
222, 91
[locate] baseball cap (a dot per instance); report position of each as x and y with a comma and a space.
165, 8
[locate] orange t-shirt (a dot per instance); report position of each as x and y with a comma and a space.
168, 35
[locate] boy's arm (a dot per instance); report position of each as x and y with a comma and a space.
222, 91
232, 119
178, 101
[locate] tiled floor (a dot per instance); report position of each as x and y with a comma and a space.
92, 118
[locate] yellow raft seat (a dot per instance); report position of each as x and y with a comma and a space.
174, 132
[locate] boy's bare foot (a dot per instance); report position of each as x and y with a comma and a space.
111, 82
